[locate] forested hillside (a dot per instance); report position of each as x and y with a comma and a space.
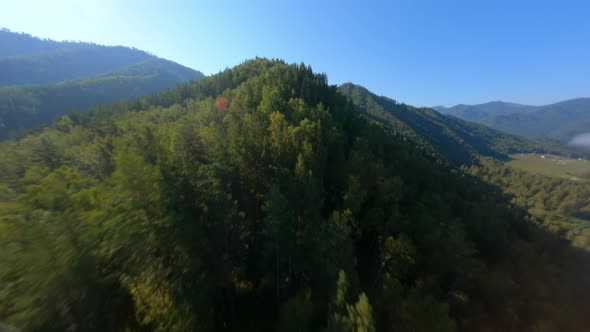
562, 121
258, 199
42, 78
561, 205
25, 59
437, 135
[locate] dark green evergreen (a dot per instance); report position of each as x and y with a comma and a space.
258, 199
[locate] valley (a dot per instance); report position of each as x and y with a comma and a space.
575, 169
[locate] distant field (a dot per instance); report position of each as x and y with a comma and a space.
552, 166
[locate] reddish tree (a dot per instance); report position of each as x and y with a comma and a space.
221, 104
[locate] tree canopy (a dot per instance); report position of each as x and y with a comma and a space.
258, 199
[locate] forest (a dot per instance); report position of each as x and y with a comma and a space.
445, 138
262, 199
24, 109
560, 205
25, 59
43, 79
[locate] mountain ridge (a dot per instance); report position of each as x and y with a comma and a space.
456, 140
561, 120
45, 78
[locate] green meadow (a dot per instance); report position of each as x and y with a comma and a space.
553, 166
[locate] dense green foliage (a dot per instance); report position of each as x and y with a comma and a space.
262, 201
561, 205
437, 135
561, 121
27, 107
75, 76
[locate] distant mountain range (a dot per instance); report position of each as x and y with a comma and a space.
564, 120
439, 135
42, 78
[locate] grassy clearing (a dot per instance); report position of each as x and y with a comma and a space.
554, 166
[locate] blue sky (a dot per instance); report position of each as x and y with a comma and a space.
423, 53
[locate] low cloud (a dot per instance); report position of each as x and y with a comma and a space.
581, 140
